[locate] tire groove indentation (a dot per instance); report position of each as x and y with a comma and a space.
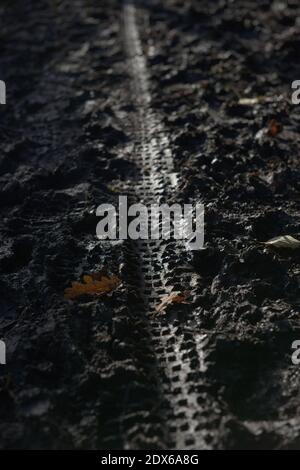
175, 357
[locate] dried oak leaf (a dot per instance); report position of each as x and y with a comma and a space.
285, 242
94, 284
174, 298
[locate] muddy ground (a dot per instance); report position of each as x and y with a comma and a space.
82, 374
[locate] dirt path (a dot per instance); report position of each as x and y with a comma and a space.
145, 99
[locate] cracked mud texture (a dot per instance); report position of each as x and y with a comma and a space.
81, 374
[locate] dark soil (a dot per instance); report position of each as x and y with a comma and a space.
81, 374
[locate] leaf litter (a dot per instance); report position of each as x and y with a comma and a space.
96, 284
284, 241
274, 127
174, 298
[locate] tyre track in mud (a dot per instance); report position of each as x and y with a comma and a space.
179, 351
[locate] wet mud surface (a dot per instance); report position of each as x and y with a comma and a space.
100, 373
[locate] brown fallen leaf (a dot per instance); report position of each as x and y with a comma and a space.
174, 298
94, 284
274, 127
